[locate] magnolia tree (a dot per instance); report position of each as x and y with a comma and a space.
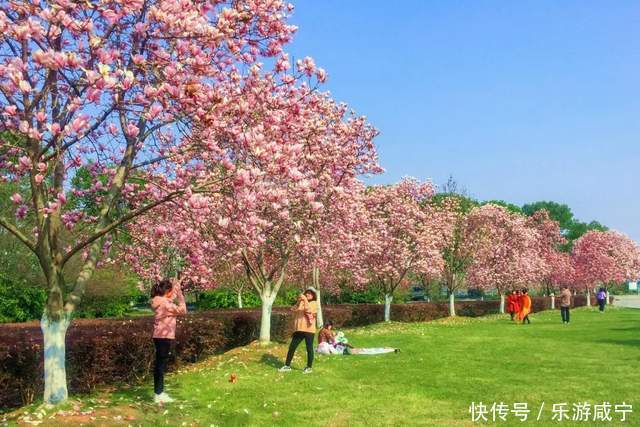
328, 244
507, 253
115, 88
396, 238
605, 258
457, 246
558, 269
561, 272
296, 148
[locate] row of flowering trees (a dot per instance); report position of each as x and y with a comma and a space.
384, 236
155, 126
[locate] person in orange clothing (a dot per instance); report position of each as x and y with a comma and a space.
525, 307
306, 310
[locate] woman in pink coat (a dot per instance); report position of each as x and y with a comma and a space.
163, 294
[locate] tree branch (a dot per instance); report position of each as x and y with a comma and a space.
104, 230
18, 234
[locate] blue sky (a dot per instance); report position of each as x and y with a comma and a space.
518, 100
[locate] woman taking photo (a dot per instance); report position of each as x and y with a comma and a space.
305, 310
166, 311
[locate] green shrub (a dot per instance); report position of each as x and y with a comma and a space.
20, 302
225, 298
347, 296
287, 298
97, 307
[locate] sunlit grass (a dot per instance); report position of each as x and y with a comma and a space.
443, 366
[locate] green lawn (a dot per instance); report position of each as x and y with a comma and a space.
442, 368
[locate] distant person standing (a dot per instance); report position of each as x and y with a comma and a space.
601, 297
512, 302
525, 308
565, 304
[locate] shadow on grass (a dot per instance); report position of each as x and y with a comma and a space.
632, 342
271, 360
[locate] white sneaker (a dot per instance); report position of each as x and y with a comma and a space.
162, 398
307, 371
285, 368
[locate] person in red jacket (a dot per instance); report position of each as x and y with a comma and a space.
511, 304
517, 304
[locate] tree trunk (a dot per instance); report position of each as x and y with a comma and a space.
239, 298
265, 320
55, 373
501, 303
452, 304
553, 302
588, 298
606, 297
387, 307
320, 317
315, 276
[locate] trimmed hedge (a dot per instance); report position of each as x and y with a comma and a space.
112, 351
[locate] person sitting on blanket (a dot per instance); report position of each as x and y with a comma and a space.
326, 339
331, 343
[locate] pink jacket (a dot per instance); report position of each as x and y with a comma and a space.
164, 324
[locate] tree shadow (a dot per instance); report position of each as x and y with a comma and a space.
271, 360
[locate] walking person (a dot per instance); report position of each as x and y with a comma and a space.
601, 297
565, 304
525, 308
306, 309
163, 294
512, 303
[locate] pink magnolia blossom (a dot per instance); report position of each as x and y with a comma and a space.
605, 258
507, 253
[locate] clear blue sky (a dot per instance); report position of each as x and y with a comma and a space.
518, 100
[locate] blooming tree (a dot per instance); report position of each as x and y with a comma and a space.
329, 243
116, 88
297, 149
549, 242
457, 247
561, 271
507, 253
395, 238
605, 258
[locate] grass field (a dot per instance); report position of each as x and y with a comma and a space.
443, 366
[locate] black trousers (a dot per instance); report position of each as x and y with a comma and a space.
564, 312
296, 339
163, 349
601, 303
526, 319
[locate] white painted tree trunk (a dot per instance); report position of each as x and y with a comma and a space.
55, 373
553, 302
315, 275
265, 320
239, 298
501, 304
452, 304
319, 317
606, 297
588, 298
387, 307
